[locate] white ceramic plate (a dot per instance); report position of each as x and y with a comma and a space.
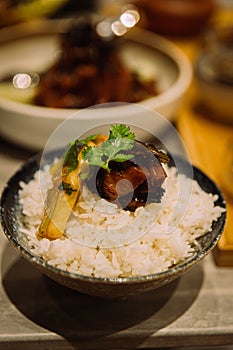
34, 47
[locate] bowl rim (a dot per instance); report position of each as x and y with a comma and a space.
42, 264
137, 35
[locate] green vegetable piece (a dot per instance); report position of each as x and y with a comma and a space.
65, 186
88, 138
71, 156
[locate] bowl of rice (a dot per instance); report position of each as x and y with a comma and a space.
149, 247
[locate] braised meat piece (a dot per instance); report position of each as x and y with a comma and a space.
136, 182
90, 70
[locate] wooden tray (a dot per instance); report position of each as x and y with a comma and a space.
206, 141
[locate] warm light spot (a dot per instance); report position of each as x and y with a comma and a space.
22, 81
118, 28
25, 80
130, 18
104, 29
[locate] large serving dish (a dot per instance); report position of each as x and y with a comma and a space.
104, 287
34, 47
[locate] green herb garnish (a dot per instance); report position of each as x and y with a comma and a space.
121, 131
120, 139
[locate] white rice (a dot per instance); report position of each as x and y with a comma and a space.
101, 240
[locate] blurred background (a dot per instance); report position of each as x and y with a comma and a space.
202, 29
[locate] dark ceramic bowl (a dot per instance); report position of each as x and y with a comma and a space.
104, 287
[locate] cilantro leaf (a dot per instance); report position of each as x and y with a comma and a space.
122, 131
122, 157
122, 144
93, 155
110, 150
